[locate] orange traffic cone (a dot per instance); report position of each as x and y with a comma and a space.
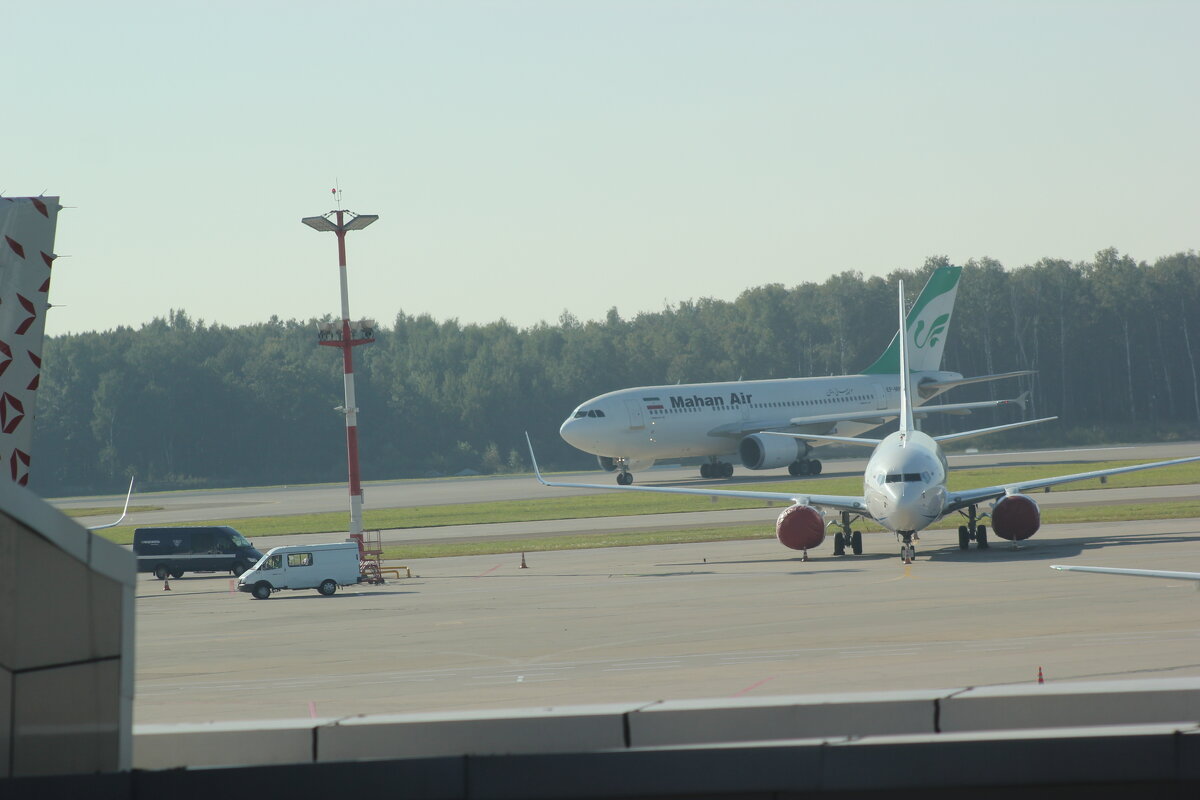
166, 585
523, 564
1040, 678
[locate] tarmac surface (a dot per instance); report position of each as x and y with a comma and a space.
712, 620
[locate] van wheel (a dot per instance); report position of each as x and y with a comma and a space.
262, 590
161, 572
327, 587
176, 573
238, 568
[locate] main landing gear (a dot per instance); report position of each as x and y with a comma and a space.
908, 550
972, 531
847, 538
716, 469
804, 466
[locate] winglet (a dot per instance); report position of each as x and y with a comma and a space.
124, 511
537, 472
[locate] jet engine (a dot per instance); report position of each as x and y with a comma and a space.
763, 451
1016, 517
800, 527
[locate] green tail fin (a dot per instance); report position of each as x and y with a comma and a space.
928, 324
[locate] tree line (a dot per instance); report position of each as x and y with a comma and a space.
182, 404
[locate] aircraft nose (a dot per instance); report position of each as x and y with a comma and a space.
571, 433
909, 511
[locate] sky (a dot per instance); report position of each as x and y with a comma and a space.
532, 158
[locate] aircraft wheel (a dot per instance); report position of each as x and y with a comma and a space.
705, 470
814, 467
793, 469
727, 470
964, 538
839, 544
856, 542
981, 537
624, 478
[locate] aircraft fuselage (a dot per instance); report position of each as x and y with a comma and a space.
709, 419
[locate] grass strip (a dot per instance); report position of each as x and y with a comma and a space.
1146, 511
113, 511
622, 503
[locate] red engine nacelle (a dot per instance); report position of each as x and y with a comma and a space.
1016, 518
800, 527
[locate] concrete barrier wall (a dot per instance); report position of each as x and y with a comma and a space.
1124, 761
867, 717
66, 643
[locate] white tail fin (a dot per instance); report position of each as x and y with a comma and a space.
906, 413
27, 227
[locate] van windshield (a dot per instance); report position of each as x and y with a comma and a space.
238, 539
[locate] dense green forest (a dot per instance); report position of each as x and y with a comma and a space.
180, 403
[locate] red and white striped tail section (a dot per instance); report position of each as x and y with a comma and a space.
27, 226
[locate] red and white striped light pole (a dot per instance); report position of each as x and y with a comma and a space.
350, 336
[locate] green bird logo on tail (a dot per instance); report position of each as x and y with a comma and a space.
933, 334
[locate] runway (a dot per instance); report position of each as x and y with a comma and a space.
202, 505
713, 620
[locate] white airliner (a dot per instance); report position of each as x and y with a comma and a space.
630, 429
904, 488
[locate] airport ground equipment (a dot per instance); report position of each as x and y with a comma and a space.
170, 552
370, 556
323, 567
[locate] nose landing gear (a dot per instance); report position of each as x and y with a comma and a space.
908, 550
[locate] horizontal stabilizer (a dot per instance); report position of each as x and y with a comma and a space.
929, 387
954, 437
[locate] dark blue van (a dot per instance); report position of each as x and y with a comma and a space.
174, 551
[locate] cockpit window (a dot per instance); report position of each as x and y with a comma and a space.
903, 477
592, 412
580, 414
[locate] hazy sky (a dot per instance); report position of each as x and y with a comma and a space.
527, 158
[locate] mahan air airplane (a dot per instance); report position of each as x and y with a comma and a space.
629, 430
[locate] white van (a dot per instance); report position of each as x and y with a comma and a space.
323, 567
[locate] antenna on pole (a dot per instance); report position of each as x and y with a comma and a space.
337, 193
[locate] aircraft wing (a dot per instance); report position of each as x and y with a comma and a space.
856, 504
877, 417
970, 497
1137, 573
